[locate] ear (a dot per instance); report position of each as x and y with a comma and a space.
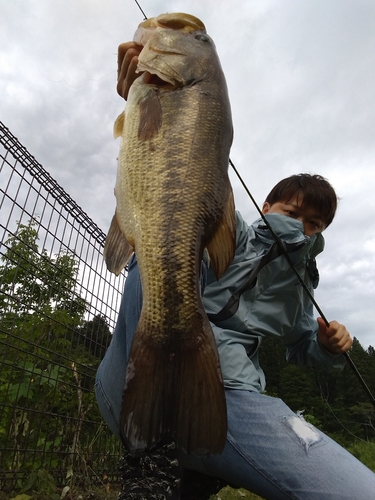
266, 207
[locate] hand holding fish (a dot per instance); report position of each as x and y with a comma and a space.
335, 338
128, 52
127, 62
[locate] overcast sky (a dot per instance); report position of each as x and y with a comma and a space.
301, 79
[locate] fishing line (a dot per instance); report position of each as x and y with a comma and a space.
140, 8
285, 253
310, 295
325, 399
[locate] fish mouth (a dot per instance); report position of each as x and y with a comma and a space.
154, 74
153, 79
179, 21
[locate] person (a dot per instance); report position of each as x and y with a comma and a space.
270, 450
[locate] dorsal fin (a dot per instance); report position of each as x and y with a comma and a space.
118, 127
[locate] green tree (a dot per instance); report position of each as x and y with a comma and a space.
33, 281
94, 335
49, 356
335, 401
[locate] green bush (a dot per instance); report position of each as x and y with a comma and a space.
365, 452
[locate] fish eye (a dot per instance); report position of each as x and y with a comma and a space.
202, 37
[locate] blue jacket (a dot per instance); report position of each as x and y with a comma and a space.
260, 295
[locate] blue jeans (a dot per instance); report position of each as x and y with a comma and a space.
270, 450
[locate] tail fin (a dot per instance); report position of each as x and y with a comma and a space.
177, 394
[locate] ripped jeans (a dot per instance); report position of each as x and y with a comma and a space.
270, 450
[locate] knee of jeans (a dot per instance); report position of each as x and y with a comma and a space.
106, 409
306, 434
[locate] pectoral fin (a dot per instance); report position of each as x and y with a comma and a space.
150, 117
222, 246
117, 249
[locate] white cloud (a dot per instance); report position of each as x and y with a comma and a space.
300, 78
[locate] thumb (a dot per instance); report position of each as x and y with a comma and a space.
322, 336
321, 323
322, 326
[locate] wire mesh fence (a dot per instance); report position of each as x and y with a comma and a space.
58, 307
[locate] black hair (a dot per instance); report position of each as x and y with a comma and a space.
315, 191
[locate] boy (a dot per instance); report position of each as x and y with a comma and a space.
269, 450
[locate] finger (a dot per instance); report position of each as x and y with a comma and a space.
341, 341
122, 50
127, 72
126, 79
334, 328
347, 345
131, 75
340, 349
322, 325
124, 61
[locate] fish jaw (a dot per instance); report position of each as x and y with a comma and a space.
177, 21
180, 21
148, 74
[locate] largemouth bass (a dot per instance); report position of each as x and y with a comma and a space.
174, 199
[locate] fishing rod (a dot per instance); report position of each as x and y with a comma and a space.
292, 266
308, 292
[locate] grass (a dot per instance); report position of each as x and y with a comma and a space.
228, 493
364, 451
110, 492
